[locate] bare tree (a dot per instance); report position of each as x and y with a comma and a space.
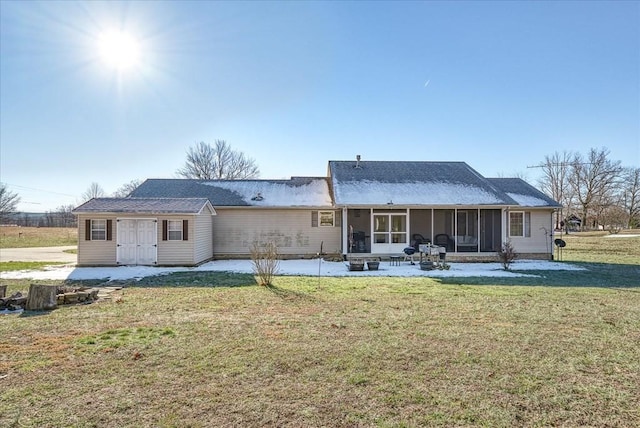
614, 218
94, 191
630, 195
554, 182
594, 181
65, 216
61, 217
217, 162
8, 201
124, 190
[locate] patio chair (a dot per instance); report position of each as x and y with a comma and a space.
417, 239
443, 240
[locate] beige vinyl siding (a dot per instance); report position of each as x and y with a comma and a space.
179, 253
235, 231
202, 236
96, 253
198, 248
537, 242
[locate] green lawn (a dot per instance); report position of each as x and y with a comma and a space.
215, 349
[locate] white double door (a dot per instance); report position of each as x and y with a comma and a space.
137, 241
389, 231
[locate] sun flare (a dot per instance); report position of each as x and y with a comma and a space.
119, 50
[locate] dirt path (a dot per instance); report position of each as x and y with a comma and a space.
38, 254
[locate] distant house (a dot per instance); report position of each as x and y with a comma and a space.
373, 208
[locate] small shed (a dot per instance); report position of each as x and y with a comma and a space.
145, 231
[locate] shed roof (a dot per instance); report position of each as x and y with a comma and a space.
144, 205
412, 183
296, 192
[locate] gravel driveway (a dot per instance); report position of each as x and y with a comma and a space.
38, 254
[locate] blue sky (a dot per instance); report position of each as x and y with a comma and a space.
498, 85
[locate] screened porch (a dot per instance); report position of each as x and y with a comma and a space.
390, 230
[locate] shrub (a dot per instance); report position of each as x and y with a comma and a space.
265, 262
507, 254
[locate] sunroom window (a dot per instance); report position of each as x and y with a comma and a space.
390, 228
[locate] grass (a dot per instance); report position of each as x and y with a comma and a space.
9, 266
215, 349
26, 237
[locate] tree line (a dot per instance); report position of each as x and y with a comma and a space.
595, 191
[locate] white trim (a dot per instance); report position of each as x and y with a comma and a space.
345, 230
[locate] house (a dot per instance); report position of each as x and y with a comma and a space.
370, 209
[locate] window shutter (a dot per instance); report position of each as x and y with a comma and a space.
337, 219
164, 230
527, 224
314, 218
87, 230
109, 229
185, 230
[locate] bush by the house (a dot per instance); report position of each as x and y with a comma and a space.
265, 262
507, 254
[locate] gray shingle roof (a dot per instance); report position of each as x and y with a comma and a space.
143, 205
372, 183
412, 183
523, 193
298, 191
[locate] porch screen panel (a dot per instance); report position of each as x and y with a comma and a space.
490, 230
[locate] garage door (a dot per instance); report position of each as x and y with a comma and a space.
137, 242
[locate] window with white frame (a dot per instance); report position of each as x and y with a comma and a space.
98, 230
390, 228
326, 218
516, 223
174, 230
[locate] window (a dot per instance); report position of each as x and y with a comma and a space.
398, 229
381, 229
390, 228
98, 230
174, 230
326, 218
516, 223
